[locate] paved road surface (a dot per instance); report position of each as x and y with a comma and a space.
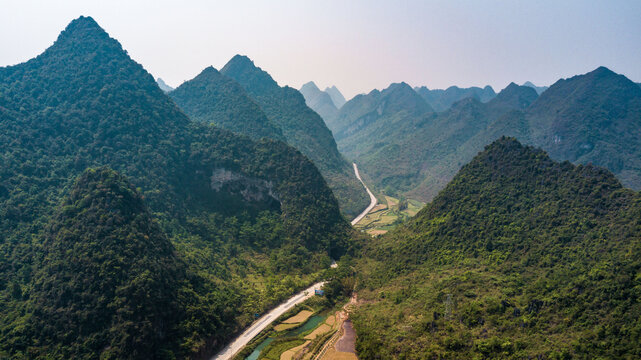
259, 325
372, 198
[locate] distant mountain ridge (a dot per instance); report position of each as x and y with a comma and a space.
336, 95
539, 89
378, 117
441, 100
303, 128
319, 101
163, 86
591, 118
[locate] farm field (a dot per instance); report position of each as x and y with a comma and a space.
388, 214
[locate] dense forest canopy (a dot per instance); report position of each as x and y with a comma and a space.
251, 221
518, 257
214, 98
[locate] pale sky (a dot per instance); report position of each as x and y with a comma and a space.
358, 45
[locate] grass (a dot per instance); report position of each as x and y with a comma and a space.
387, 215
275, 349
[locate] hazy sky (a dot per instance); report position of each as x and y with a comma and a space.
357, 45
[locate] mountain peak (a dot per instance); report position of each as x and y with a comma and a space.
254, 79
163, 85
310, 86
602, 70
82, 28
336, 95
515, 96
241, 60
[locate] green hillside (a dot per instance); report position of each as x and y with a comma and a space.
252, 221
518, 257
109, 280
303, 129
214, 98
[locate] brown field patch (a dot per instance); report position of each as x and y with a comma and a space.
281, 327
298, 318
321, 330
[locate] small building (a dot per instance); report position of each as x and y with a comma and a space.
319, 292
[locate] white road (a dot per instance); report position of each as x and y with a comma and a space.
259, 325
372, 198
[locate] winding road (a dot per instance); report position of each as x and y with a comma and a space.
372, 198
259, 325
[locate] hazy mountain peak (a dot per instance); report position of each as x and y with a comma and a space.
254, 79
336, 95
515, 96
163, 86
539, 89
310, 86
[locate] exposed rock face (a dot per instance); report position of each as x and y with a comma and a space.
251, 189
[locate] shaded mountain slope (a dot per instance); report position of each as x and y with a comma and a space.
303, 129
214, 98
592, 118
519, 256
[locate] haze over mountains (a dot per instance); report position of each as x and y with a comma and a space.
319, 101
138, 221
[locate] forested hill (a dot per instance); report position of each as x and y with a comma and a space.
214, 98
303, 128
102, 245
252, 221
518, 257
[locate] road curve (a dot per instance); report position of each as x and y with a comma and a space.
259, 325
372, 198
